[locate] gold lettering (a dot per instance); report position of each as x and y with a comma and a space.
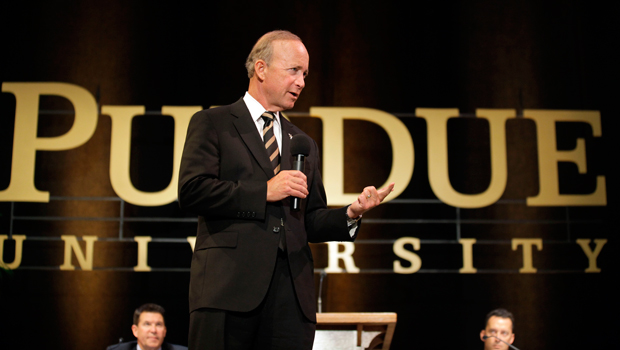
437, 131
468, 260
143, 253
25, 140
19, 240
592, 256
85, 260
401, 252
333, 140
549, 156
527, 243
120, 153
335, 255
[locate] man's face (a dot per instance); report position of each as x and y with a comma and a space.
497, 327
150, 330
285, 74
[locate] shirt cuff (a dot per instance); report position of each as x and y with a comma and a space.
352, 224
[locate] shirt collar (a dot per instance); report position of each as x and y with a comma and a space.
256, 109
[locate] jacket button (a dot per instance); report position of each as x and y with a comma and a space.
276, 229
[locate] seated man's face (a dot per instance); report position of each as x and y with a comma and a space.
150, 330
497, 328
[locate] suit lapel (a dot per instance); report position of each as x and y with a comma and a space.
287, 157
247, 130
287, 134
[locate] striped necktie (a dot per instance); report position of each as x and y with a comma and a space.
271, 145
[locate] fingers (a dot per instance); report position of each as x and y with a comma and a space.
375, 196
293, 183
369, 198
286, 184
385, 191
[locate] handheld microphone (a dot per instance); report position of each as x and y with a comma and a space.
485, 337
300, 148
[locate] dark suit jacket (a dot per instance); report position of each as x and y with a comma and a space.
223, 178
132, 345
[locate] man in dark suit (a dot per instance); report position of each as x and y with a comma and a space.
149, 328
252, 284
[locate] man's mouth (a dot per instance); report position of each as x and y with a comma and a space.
294, 94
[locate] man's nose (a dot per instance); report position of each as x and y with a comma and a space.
301, 82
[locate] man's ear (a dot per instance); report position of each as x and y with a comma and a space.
512, 338
260, 67
482, 333
134, 330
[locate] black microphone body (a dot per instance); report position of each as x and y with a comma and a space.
298, 164
300, 149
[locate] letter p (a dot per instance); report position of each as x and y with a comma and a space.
26, 142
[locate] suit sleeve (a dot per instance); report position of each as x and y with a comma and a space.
201, 188
323, 224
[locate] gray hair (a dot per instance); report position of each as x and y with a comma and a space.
263, 50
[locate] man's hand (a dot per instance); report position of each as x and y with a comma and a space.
368, 199
287, 183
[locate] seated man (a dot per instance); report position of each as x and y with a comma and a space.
499, 330
149, 327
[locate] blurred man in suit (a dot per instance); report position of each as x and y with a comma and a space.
499, 330
149, 328
252, 274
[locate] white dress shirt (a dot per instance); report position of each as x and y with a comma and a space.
256, 111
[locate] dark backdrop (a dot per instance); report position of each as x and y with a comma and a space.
383, 55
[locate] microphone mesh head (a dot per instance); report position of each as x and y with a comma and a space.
300, 144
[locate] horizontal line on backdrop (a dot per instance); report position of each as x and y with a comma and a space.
359, 241
456, 271
318, 271
393, 201
476, 221
292, 114
82, 198
116, 218
367, 221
